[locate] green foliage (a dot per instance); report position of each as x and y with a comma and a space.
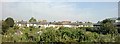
117, 39
50, 34
106, 33
5, 26
108, 20
10, 22
32, 19
108, 27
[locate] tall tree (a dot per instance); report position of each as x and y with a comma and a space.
10, 22
32, 19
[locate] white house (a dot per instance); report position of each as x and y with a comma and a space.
53, 24
21, 23
117, 21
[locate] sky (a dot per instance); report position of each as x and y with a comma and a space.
59, 0
59, 11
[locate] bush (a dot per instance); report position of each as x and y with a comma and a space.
63, 34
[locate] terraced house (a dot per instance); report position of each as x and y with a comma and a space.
53, 24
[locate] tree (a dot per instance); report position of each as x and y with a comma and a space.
5, 26
108, 20
108, 27
118, 18
10, 22
32, 19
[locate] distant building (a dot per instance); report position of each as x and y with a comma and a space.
21, 23
66, 22
53, 24
118, 22
97, 25
35, 24
118, 19
42, 20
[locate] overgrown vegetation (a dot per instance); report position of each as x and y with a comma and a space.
106, 33
62, 34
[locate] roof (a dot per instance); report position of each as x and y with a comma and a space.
43, 23
21, 22
73, 24
54, 23
33, 23
97, 24
87, 23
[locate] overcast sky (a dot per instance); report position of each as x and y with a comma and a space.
59, 11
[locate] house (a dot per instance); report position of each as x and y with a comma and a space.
35, 24
72, 25
118, 22
65, 22
21, 23
43, 24
97, 25
87, 24
53, 24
